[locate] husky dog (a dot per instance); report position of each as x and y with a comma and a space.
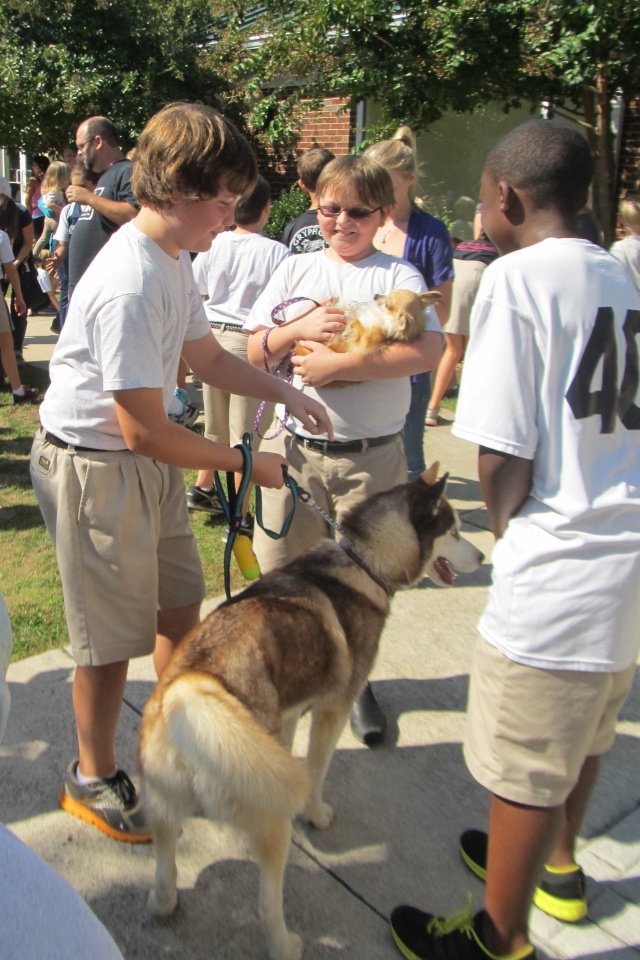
217, 731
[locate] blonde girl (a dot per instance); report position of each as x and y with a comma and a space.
54, 185
423, 240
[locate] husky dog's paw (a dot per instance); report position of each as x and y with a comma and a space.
289, 948
161, 907
319, 815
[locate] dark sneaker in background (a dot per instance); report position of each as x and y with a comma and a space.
111, 805
30, 395
205, 500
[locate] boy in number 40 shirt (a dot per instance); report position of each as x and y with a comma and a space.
550, 394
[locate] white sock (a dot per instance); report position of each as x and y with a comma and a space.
80, 777
20, 391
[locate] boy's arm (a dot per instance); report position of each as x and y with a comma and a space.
60, 253
148, 431
443, 307
319, 324
505, 482
231, 374
11, 273
322, 365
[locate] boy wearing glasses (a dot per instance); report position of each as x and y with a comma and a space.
366, 455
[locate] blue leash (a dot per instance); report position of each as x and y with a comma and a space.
232, 506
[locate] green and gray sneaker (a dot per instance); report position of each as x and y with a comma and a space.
421, 936
561, 892
111, 805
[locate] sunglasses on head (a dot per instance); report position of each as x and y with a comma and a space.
354, 213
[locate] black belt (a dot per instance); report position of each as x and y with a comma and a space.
343, 446
57, 442
228, 326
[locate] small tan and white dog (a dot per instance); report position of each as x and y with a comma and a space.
217, 731
370, 327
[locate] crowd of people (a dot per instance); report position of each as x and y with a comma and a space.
559, 448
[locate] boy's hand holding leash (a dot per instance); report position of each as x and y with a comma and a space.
268, 470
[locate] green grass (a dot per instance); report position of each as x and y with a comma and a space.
29, 578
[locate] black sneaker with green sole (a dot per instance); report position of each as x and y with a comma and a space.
561, 893
421, 936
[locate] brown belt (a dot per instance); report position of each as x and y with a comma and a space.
57, 442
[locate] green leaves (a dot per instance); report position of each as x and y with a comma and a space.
120, 58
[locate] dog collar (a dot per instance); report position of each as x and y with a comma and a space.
367, 569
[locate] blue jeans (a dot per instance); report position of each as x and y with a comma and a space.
63, 276
414, 425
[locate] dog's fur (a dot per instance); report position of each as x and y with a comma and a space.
218, 730
371, 327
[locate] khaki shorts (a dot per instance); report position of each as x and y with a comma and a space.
6, 323
335, 483
530, 730
468, 274
227, 417
119, 524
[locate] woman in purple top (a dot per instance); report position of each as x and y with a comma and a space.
424, 241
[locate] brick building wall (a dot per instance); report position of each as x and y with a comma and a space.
333, 126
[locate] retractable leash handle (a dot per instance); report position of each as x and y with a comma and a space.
237, 542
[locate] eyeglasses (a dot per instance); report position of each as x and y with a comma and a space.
81, 146
354, 213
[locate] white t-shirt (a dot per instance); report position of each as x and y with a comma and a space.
233, 273
373, 408
43, 280
6, 250
63, 233
5, 187
130, 314
567, 570
627, 251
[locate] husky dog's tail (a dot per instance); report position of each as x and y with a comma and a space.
217, 733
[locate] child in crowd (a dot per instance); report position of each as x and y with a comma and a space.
230, 277
71, 212
21, 393
303, 234
559, 465
105, 464
55, 182
355, 195
627, 251
47, 288
423, 240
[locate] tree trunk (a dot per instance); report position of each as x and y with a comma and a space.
597, 110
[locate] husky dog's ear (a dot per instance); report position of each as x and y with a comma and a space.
436, 489
431, 473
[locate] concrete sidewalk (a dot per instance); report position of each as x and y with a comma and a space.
399, 809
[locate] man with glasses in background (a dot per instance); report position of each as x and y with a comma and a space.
112, 203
